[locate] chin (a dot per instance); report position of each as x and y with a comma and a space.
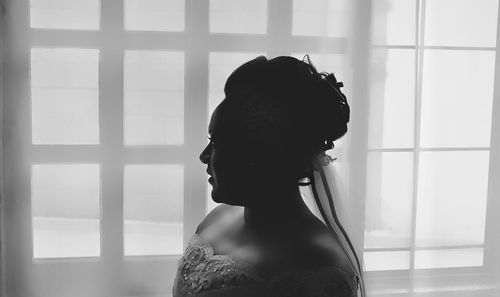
216, 197
226, 199
232, 203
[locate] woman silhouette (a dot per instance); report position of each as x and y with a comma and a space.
278, 118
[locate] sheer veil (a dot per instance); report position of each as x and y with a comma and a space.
326, 195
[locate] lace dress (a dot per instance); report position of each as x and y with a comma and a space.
200, 273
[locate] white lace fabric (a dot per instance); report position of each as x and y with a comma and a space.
201, 273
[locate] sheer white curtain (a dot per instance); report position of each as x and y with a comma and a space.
430, 164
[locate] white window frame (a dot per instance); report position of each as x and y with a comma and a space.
112, 274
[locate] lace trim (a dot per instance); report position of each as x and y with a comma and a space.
200, 270
245, 267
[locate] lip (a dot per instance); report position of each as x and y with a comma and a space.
210, 179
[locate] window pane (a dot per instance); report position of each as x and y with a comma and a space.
65, 96
153, 209
154, 98
65, 210
461, 22
375, 261
457, 95
393, 22
449, 258
321, 17
392, 98
154, 15
221, 66
238, 16
65, 14
389, 200
451, 203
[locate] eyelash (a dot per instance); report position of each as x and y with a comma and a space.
211, 141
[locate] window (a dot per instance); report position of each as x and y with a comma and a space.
431, 146
111, 109
107, 105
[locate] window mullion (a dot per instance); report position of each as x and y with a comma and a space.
279, 27
65, 38
16, 166
147, 40
195, 113
111, 140
222, 42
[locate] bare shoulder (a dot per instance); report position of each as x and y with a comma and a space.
328, 272
324, 250
214, 216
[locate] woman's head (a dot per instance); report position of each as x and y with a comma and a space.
277, 116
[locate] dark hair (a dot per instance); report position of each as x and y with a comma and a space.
288, 105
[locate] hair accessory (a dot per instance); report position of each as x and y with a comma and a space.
323, 159
332, 80
330, 77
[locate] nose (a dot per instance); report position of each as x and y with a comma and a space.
206, 154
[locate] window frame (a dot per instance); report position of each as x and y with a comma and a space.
113, 274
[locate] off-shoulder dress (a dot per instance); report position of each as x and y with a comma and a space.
200, 273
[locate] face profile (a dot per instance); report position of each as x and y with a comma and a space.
218, 157
232, 176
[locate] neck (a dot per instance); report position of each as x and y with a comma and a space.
279, 210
